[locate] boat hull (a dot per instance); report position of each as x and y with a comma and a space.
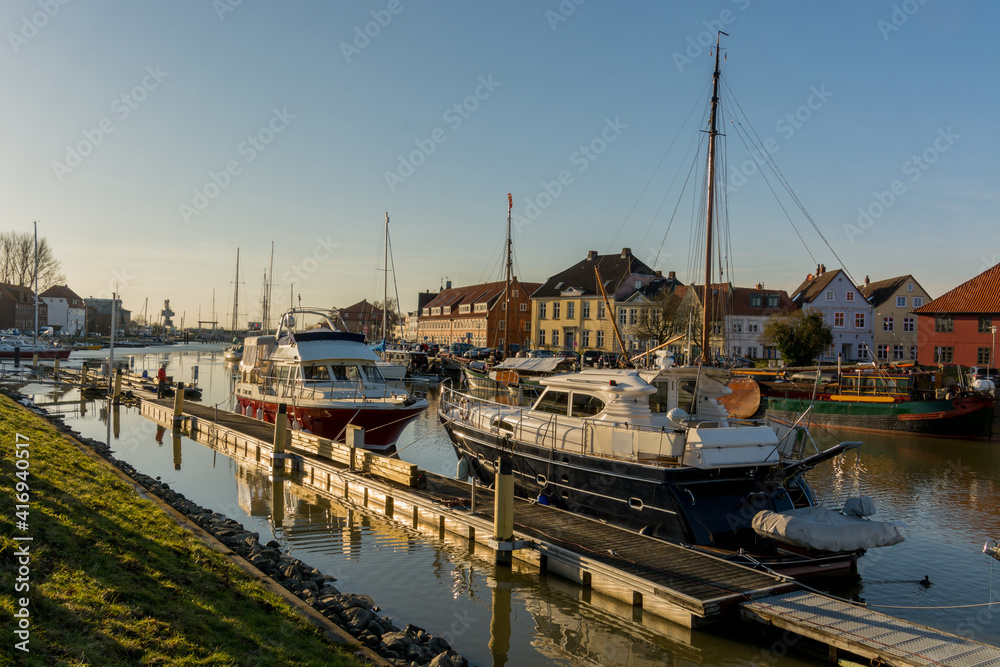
969, 416
42, 354
680, 505
383, 424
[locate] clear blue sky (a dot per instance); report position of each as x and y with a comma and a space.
116, 112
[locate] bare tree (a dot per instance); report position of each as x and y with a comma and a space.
661, 320
17, 261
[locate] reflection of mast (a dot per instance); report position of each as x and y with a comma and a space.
711, 206
500, 586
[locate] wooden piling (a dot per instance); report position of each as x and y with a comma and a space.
280, 434
355, 440
503, 508
178, 404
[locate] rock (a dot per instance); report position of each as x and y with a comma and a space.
396, 641
418, 653
438, 645
448, 659
357, 619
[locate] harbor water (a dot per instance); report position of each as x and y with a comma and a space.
947, 491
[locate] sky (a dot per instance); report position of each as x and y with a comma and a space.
150, 140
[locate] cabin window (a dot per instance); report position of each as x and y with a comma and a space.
585, 405
554, 402
344, 373
372, 372
315, 373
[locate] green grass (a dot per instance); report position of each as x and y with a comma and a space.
115, 582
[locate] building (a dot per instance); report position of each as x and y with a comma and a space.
66, 311
960, 326
747, 312
17, 308
366, 319
475, 314
895, 324
569, 310
99, 316
845, 310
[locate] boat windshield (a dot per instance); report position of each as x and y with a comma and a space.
363, 372
315, 373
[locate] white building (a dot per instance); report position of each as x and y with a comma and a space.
845, 310
66, 310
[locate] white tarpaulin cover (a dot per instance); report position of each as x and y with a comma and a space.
535, 365
825, 529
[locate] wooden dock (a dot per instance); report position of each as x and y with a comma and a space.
877, 637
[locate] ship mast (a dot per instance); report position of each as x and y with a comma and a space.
506, 302
236, 294
385, 280
713, 131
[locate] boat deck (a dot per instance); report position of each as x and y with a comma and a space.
880, 638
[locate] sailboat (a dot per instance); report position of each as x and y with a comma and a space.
657, 453
235, 350
390, 369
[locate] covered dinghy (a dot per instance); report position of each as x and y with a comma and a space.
992, 548
822, 528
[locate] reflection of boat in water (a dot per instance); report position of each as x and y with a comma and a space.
329, 379
685, 473
881, 399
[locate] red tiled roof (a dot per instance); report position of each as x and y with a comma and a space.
810, 289
473, 294
978, 295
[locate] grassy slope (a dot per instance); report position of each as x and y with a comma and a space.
115, 582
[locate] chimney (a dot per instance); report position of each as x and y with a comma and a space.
809, 277
760, 287
822, 269
867, 282
447, 284
672, 275
591, 254
819, 270
626, 252
658, 274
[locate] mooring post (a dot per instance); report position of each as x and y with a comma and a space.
503, 509
34, 361
355, 439
118, 386
280, 433
55, 368
472, 507
178, 404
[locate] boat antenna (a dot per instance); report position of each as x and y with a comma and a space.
712, 133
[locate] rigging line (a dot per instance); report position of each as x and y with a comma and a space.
673, 216
698, 100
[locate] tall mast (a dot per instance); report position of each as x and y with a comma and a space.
267, 294
236, 294
713, 131
36, 282
385, 276
506, 301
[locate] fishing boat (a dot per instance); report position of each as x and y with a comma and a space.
911, 400
658, 453
24, 348
328, 379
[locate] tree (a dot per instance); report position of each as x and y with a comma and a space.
661, 320
17, 261
799, 337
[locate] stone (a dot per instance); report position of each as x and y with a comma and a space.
438, 645
396, 641
357, 619
448, 659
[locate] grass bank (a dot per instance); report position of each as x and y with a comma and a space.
109, 579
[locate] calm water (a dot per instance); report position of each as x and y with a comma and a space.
947, 492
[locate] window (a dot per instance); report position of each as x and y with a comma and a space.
541, 311
753, 326
586, 406
527, 326
435, 311
599, 339
772, 300
585, 338
752, 352
503, 324
897, 351
943, 355
480, 308
541, 338
524, 307
983, 356
465, 309
555, 310
985, 324
584, 309
882, 352
555, 402
859, 320
909, 287
756, 300
716, 328
849, 296
622, 316
570, 309
555, 337
944, 324
900, 302
737, 327
514, 293
829, 295
908, 324
600, 310
862, 351
838, 320
918, 301
887, 324
913, 352
633, 315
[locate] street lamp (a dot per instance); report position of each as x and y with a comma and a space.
993, 354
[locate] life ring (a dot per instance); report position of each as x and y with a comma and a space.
464, 409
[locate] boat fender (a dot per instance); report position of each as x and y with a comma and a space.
422, 482
464, 409
543, 499
463, 468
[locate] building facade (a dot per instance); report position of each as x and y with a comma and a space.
960, 326
748, 310
366, 319
845, 310
895, 324
17, 308
66, 311
99, 316
477, 314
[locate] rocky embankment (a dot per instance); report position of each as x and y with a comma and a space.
357, 614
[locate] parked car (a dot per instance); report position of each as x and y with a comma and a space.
458, 349
601, 359
478, 353
568, 356
736, 362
